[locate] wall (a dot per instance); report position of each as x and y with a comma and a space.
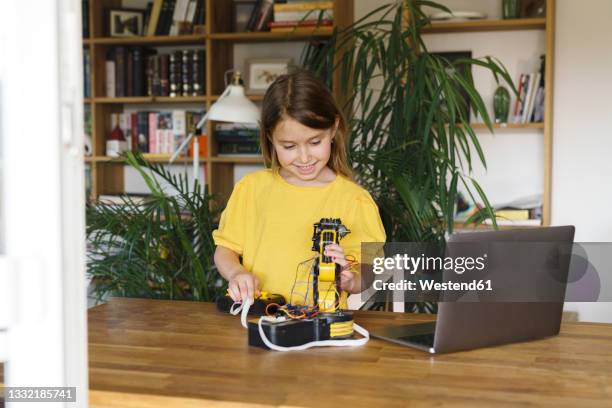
582, 145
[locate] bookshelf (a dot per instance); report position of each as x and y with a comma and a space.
544, 129
218, 41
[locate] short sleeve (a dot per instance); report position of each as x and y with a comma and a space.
232, 226
366, 226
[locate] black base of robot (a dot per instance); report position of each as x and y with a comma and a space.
295, 332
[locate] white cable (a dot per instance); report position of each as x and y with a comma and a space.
319, 343
238, 307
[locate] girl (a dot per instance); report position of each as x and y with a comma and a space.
269, 217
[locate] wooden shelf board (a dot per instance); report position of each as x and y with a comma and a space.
269, 36
87, 100
136, 40
151, 99
164, 159
238, 159
539, 125
486, 25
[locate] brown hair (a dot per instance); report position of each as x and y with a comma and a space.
303, 97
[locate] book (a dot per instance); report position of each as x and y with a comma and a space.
264, 14
185, 70
517, 103
153, 142
129, 73
253, 17
86, 74
512, 214
164, 84
109, 67
120, 71
143, 131
154, 19
197, 73
147, 17
531, 99
138, 74
179, 128
319, 5
191, 11
164, 135
180, 11
175, 74
134, 131
85, 17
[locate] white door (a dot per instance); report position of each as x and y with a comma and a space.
42, 245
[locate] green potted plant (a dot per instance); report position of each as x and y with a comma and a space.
160, 248
411, 142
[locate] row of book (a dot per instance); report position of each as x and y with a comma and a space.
287, 16
138, 71
156, 132
173, 17
529, 105
237, 139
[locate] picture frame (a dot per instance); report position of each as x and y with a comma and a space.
261, 72
242, 12
125, 22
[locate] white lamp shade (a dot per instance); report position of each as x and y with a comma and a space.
234, 107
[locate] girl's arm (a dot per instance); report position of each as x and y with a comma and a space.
241, 283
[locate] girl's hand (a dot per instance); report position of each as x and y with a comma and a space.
348, 281
243, 285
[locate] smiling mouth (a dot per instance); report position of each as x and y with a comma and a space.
305, 169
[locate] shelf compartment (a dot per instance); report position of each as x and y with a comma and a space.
486, 25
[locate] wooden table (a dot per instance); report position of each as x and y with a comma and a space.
145, 353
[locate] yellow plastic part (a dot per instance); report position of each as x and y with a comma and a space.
341, 329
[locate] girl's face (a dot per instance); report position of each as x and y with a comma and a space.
302, 151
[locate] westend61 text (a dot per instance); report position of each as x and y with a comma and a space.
404, 285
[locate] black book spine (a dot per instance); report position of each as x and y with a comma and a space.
138, 88
120, 71
164, 61
202, 14
175, 77
198, 11
156, 79
85, 11
186, 73
168, 21
197, 73
143, 132
129, 71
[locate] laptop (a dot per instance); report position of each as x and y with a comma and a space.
474, 324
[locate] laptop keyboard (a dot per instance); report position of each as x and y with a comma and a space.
423, 339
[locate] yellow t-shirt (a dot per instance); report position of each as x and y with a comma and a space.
269, 222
